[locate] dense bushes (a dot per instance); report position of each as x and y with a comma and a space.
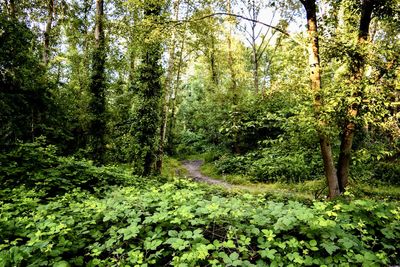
273, 165
38, 166
387, 172
182, 224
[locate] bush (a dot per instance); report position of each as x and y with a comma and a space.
273, 164
234, 164
388, 172
281, 166
38, 166
190, 143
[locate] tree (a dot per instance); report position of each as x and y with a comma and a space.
24, 97
255, 34
46, 43
147, 118
97, 103
357, 70
315, 77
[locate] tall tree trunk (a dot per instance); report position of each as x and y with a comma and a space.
234, 86
132, 49
46, 52
255, 71
315, 77
176, 90
255, 54
97, 104
13, 9
357, 74
168, 87
231, 60
147, 122
214, 72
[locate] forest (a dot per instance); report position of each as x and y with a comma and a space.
199, 133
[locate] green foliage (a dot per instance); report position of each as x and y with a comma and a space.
271, 148
24, 96
145, 128
182, 224
36, 165
273, 165
388, 172
255, 119
191, 143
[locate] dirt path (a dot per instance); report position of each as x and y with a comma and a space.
193, 167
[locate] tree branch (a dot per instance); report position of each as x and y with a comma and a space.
241, 17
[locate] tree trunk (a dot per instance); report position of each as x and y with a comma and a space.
231, 60
254, 47
13, 10
97, 126
255, 69
132, 49
214, 73
147, 118
176, 91
46, 52
352, 112
234, 86
165, 109
168, 88
315, 77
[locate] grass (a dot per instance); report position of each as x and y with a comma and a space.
172, 168
376, 191
209, 169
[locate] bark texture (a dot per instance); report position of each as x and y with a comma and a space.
357, 74
315, 77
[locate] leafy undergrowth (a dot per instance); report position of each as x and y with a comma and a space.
181, 223
35, 165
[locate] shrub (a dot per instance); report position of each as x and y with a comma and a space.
38, 166
388, 172
273, 164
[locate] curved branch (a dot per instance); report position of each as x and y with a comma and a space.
244, 18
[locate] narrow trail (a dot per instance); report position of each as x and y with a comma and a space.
193, 167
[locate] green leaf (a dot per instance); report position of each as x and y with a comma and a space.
329, 247
61, 264
268, 253
313, 243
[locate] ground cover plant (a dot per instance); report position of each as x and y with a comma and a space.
184, 224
